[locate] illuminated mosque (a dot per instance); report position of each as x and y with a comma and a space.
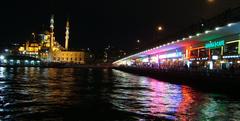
49, 50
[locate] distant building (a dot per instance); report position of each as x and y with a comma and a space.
69, 57
31, 49
48, 49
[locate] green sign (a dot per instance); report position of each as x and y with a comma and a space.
215, 44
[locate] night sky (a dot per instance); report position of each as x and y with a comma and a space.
97, 23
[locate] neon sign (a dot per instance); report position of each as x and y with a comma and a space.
171, 55
215, 44
145, 60
154, 59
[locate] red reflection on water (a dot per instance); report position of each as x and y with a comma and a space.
185, 105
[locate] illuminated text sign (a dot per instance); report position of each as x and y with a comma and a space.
215, 44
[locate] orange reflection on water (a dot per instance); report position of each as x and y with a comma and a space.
185, 105
60, 85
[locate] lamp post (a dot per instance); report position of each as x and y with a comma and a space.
156, 32
138, 44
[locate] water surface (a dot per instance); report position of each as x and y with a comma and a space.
103, 94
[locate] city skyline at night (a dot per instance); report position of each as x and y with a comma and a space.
97, 24
120, 60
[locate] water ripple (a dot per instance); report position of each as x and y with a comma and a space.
73, 94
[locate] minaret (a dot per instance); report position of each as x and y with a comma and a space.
52, 31
50, 56
52, 23
67, 34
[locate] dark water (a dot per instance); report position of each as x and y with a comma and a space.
47, 94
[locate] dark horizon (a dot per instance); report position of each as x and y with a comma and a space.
95, 24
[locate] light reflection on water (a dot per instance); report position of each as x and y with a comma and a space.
151, 97
60, 94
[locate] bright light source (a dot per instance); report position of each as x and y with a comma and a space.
217, 28
198, 34
211, 1
2, 57
206, 32
160, 28
214, 57
229, 25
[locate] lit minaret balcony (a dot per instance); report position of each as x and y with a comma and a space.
52, 31
52, 23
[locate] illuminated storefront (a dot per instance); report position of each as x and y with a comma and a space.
212, 49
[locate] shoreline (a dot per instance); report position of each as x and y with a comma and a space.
208, 82
58, 66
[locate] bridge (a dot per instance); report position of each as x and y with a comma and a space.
215, 49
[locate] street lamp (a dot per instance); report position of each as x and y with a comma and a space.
160, 28
210, 1
138, 44
138, 41
155, 33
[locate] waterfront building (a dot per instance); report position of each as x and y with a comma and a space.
19, 60
48, 49
69, 57
216, 49
30, 48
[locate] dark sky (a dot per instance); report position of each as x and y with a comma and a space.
94, 23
